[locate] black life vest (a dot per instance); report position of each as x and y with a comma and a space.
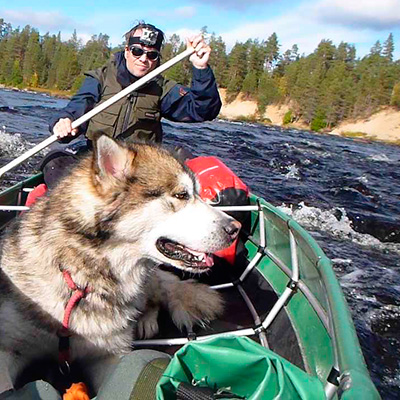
135, 117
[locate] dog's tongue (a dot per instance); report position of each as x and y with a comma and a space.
208, 258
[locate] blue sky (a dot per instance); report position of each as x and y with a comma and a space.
305, 23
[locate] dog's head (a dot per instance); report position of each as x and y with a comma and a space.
152, 201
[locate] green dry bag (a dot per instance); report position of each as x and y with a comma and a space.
239, 368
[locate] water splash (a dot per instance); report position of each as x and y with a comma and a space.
380, 158
11, 144
293, 172
336, 223
363, 179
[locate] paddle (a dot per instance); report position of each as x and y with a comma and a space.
98, 109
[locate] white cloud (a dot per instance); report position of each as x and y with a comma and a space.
370, 14
180, 12
238, 5
54, 21
42, 20
303, 28
182, 33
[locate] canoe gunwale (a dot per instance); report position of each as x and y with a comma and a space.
354, 379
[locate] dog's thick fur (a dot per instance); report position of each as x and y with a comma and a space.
103, 224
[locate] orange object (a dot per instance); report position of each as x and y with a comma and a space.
77, 391
37, 192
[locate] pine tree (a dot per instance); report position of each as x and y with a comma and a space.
295, 53
255, 66
271, 52
237, 70
56, 62
325, 54
95, 53
287, 58
250, 84
75, 42
49, 45
22, 43
5, 29
256, 56
31, 61
11, 54
16, 74
3, 56
336, 98
180, 72
267, 91
388, 48
376, 49
219, 60
171, 47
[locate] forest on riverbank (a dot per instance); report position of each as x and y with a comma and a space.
322, 89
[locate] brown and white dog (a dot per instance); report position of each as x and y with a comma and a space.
110, 223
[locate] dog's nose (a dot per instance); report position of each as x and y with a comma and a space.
233, 228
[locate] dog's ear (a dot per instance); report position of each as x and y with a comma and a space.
112, 160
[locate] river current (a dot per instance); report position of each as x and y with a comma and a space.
345, 192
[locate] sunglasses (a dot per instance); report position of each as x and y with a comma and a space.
152, 55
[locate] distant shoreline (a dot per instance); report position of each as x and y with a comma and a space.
383, 126
63, 94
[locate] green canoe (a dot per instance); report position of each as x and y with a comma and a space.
287, 332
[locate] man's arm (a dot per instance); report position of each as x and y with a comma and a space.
199, 103
82, 102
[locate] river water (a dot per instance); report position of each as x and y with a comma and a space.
345, 192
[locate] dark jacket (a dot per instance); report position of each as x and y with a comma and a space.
139, 114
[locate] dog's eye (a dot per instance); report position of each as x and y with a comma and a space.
153, 193
182, 195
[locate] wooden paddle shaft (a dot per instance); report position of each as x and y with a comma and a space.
101, 107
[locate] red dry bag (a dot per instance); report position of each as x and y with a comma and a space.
220, 186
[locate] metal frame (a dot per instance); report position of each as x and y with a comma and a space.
294, 284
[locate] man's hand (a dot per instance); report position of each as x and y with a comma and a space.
63, 128
200, 57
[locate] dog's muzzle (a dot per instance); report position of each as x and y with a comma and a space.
178, 252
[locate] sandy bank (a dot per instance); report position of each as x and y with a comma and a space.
241, 107
383, 125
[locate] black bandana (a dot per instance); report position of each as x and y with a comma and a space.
150, 37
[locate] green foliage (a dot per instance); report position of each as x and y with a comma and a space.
354, 134
318, 122
237, 69
95, 53
323, 88
182, 71
388, 48
16, 74
268, 92
288, 118
271, 51
31, 64
219, 60
395, 98
77, 83
250, 84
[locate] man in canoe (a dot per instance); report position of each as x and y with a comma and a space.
138, 116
